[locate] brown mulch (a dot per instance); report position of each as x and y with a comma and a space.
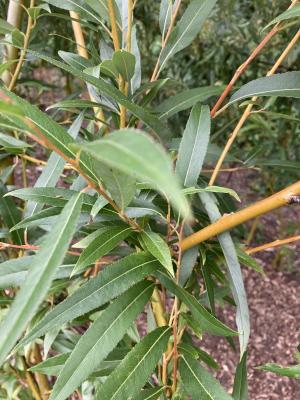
274, 304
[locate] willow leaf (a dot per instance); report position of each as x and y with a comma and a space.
112, 282
35, 288
127, 380
100, 339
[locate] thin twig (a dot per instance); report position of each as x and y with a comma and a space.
248, 110
30, 381
30, 26
156, 71
246, 64
271, 245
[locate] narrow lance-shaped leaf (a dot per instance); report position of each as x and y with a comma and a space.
152, 242
193, 145
128, 379
113, 281
187, 28
235, 273
292, 372
240, 387
101, 245
136, 154
281, 85
32, 293
198, 382
206, 320
293, 12
100, 339
187, 99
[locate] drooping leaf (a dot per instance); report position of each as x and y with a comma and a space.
136, 154
39, 278
124, 63
187, 28
281, 85
105, 242
293, 12
100, 339
193, 145
205, 319
240, 387
235, 274
292, 371
198, 382
128, 379
152, 242
187, 99
113, 281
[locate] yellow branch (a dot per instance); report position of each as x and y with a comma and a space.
82, 51
276, 243
282, 198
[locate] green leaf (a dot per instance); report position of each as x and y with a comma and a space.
54, 168
199, 383
13, 272
38, 281
51, 366
293, 12
111, 91
105, 242
11, 215
128, 379
124, 63
235, 273
113, 281
56, 197
187, 28
187, 99
101, 338
212, 189
165, 16
193, 145
152, 242
249, 261
121, 186
9, 142
40, 218
150, 394
136, 154
5, 27
281, 85
50, 131
206, 320
240, 387
292, 371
